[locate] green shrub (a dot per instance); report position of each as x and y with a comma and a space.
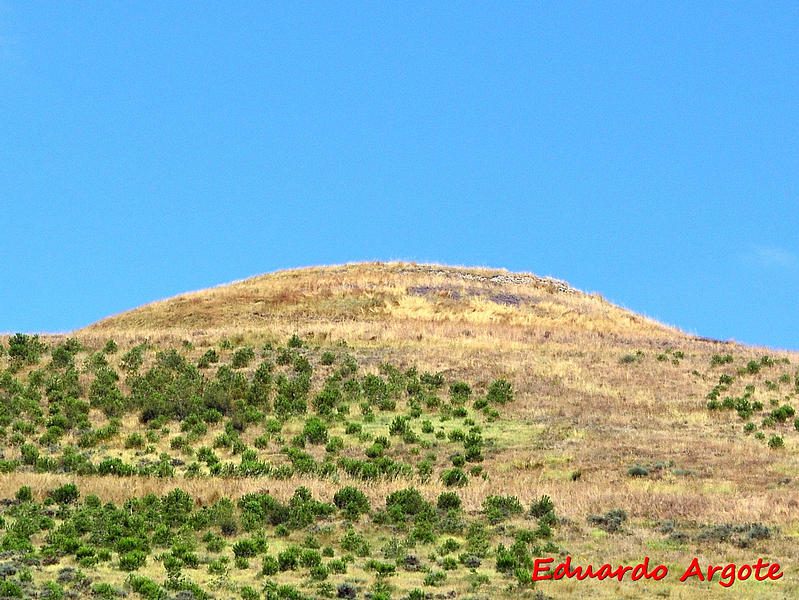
147, 588
542, 507
269, 565
499, 508
448, 501
637, 471
310, 558
499, 392
132, 560
435, 578
65, 494
29, 454
245, 548
26, 348
248, 593
242, 358
52, 591
9, 589
775, 441
352, 501
315, 431
289, 558
328, 357
720, 359
207, 359
454, 477
352, 542
380, 568
338, 567
783, 413
24, 494
460, 392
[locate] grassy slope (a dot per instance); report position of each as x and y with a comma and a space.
579, 408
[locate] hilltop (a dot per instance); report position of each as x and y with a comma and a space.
385, 376
390, 297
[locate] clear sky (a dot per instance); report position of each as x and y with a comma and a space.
648, 151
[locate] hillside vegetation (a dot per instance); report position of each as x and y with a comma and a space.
390, 430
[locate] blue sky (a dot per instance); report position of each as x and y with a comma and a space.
648, 152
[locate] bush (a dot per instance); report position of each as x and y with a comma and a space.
499, 392
351, 500
347, 590
52, 591
775, 441
65, 494
637, 471
26, 348
24, 494
783, 413
315, 431
454, 477
435, 578
611, 521
460, 392
248, 593
132, 560
245, 548
399, 426
542, 507
147, 588
289, 558
9, 589
29, 454
499, 508
337, 566
269, 565
328, 357
448, 501
242, 358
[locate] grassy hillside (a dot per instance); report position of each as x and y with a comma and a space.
486, 392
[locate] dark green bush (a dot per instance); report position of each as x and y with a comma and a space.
315, 431
289, 559
460, 392
132, 560
541, 507
448, 501
499, 392
783, 413
24, 494
245, 548
775, 441
499, 508
454, 477
352, 501
27, 348
9, 589
65, 494
242, 358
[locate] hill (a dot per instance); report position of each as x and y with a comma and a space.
385, 376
